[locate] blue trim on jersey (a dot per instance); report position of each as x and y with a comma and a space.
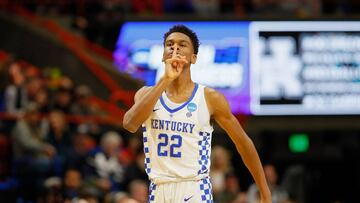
204, 152
146, 151
152, 189
206, 190
182, 106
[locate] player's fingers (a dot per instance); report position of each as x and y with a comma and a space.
170, 60
182, 61
176, 61
182, 58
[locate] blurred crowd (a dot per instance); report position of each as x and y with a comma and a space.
51, 159
207, 8
100, 20
227, 187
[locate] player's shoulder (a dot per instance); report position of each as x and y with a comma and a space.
212, 94
214, 99
144, 89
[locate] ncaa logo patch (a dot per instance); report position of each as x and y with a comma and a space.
191, 107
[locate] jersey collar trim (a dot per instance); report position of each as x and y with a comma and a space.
183, 105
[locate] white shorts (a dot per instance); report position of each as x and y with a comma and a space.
181, 192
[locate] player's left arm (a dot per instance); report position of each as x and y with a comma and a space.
220, 111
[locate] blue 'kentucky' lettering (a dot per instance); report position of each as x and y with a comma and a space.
172, 125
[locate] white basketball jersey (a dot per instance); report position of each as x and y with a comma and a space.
177, 139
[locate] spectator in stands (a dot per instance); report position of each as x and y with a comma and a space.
100, 20
121, 197
104, 167
125, 155
138, 190
232, 189
32, 155
206, 8
59, 137
130, 153
66, 83
81, 106
220, 159
33, 86
72, 183
278, 194
5, 79
95, 131
265, 8
42, 100
136, 170
82, 144
31, 71
300, 8
241, 198
88, 194
28, 137
15, 93
62, 93
52, 190
135, 146
63, 99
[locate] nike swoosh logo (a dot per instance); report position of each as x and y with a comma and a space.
155, 110
187, 199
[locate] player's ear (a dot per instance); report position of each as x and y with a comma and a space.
193, 59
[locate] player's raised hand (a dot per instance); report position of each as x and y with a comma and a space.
174, 65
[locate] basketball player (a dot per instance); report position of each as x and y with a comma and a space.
175, 115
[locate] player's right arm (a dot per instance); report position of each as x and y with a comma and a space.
146, 98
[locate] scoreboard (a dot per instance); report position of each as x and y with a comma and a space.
262, 67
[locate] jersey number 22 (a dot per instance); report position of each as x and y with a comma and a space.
175, 144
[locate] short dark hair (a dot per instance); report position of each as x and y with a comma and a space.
188, 32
